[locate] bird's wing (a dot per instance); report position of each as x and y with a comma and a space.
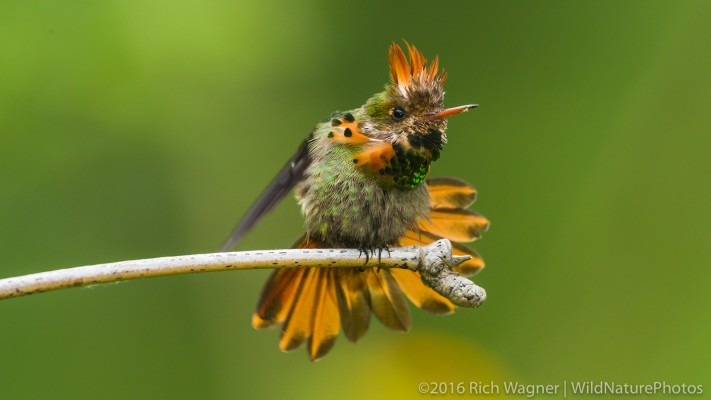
287, 178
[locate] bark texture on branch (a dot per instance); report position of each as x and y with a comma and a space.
434, 262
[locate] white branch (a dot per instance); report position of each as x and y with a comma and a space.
434, 262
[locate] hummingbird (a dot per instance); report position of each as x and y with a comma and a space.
361, 181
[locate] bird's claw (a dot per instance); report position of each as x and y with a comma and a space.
370, 252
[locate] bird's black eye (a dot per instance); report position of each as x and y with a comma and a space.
398, 113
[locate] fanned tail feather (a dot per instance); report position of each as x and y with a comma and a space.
387, 302
449, 218
326, 318
353, 303
313, 303
316, 301
299, 324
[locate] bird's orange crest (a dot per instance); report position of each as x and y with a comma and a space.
403, 74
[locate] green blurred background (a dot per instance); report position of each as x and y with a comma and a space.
133, 129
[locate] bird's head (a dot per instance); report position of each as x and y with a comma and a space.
410, 111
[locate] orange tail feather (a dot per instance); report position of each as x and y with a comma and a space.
326, 319
313, 303
353, 303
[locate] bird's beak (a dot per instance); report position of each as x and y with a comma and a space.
454, 110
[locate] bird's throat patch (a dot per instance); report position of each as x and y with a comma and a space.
407, 168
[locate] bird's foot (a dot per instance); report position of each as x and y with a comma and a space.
380, 252
369, 253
